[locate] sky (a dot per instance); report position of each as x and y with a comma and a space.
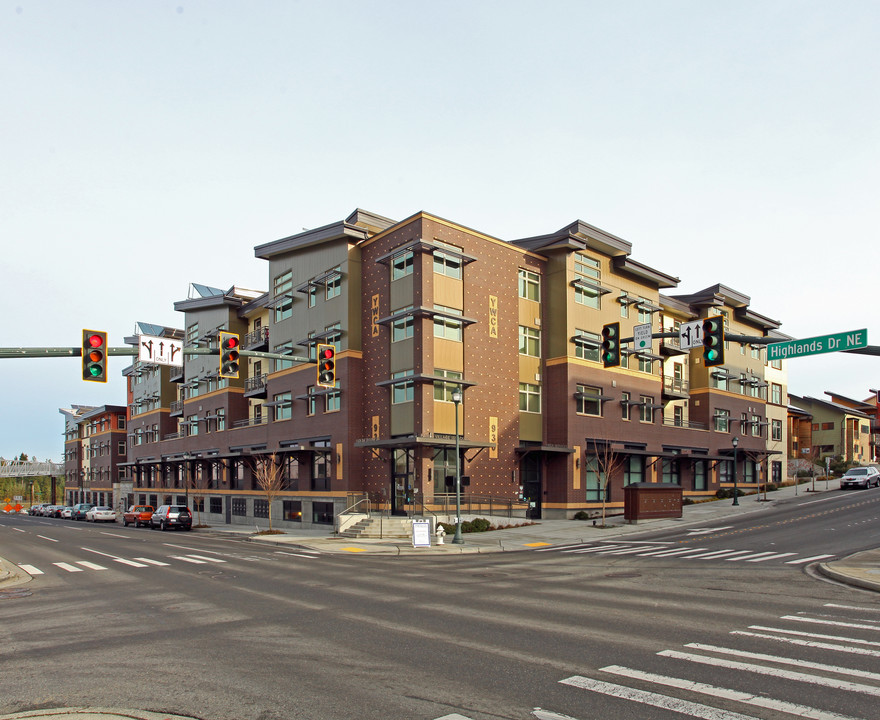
148, 145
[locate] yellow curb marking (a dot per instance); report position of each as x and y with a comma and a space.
354, 549
537, 544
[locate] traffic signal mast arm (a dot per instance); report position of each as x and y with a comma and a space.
48, 352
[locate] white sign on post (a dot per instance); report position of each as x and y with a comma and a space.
690, 334
642, 338
421, 533
159, 350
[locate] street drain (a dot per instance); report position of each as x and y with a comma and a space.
14, 593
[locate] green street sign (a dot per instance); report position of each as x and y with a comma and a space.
817, 345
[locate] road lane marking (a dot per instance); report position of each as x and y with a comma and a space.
697, 710
599, 548
853, 607
18, 530
818, 636
735, 695
810, 643
207, 559
116, 535
772, 556
31, 570
152, 562
775, 672
47, 538
302, 555
836, 623
184, 558
803, 561
69, 568
90, 565
747, 557
670, 553
719, 554
131, 563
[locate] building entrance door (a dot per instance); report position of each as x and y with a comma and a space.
531, 476
402, 475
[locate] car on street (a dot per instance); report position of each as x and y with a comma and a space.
863, 477
52, 511
137, 515
80, 510
67, 512
37, 509
171, 516
101, 513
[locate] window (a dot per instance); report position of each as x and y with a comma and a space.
282, 290
311, 402
678, 416
700, 475
828, 426
283, 349
403, 327
589, 401
594, 479
645, 314
587, 345
333, 287
261, 508
718, 379
402, 392
624, 406
313, 296
529, 341
445, 327
446, 264
646, 365
120, 422
776, 394
292, 510
402, 265
215, 505
192, 425
529, 398
756, 426
239, 507
529, 285
283, 406
322, 513
192, 334
333, 400
624, 304
671, 471
321, 467
221, 419
776, 430
443, 390
646, 409
120, 449
633, 469
722, 420
587, 269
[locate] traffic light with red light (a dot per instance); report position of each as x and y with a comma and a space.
713, 341
229, 353
94, 355
611, 345
326, 366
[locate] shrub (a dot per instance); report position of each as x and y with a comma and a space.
582, 515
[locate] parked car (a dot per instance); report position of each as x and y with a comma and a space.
171, 516
863, 477
67, 512
37, 509
101, 513
52, 511
80, 510
137, 515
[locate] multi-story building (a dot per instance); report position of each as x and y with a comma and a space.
868, 433
449, 338
94, 453
837, 431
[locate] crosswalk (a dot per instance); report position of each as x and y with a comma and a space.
110, 561
832, 681
663, 550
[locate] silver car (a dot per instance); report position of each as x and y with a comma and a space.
863, 477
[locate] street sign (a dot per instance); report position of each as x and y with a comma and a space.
642, 338
690, 335
818, 345
159, 350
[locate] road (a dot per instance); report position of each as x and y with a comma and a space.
200, 625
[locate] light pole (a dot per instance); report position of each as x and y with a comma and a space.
456, 400
735, 492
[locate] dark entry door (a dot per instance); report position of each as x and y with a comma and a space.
402, 475
530, 474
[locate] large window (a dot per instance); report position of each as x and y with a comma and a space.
587, 269
283, 406
624, 406
402, 265
722, 420
701, 481
445, 327
443, 390
587, 345
529, 285
446, 263
529, 398
646, 409
529, 341
776, 430
402, 392
282, 289
633, 469
671, 471
333, 287
589, 400
776, 394
403, 327
333, 400
192, 334
594, 479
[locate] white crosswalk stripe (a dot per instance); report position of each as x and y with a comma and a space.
150, 561
90, 565
67, 567
31, 570
138, 562
651, 549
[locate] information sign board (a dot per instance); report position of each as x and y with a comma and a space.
642, 338
690, 334
817, 345
159, 350
421, 533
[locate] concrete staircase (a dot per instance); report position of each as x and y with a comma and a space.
379, 527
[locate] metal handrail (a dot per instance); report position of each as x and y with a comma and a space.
351, 508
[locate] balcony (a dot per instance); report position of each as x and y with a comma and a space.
255, 387
257, 340
678, 388
176, 408
671, 346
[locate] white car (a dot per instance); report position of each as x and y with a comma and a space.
101, 513
67, 512
863, 477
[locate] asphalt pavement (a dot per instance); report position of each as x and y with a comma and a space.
860, 570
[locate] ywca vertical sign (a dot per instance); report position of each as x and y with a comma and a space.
374, 315
493, 316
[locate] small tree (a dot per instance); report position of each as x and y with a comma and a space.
197, 481
267, 472
608, 462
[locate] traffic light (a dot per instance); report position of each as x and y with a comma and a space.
94, 355
327, 366
229, 349
713, 341
611, 344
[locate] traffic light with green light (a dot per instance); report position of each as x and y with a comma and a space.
713, 341
326, 366
611, 345
94, 355
229, 353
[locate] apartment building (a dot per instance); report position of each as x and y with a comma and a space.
95, 452
836, 430
447, 337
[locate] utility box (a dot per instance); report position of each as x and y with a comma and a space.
649, 501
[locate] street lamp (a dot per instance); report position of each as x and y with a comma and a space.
735, 493
456, 400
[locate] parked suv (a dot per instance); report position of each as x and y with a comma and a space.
80, 510
171, 516
137, 515
863, 477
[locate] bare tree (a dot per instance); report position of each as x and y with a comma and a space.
609, 462
267, 472
197, 481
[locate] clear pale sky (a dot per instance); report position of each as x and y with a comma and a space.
147, 145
